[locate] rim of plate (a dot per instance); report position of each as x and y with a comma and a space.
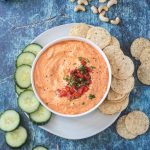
66, 38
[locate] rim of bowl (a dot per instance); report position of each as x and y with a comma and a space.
68, 38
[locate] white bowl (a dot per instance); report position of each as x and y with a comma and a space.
77, 39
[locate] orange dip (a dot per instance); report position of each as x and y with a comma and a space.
55, 63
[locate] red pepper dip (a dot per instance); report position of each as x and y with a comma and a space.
71, 77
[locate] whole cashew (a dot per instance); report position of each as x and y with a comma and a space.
102, 17
94, 9
102, 1
83, 2
111, 3
102, 8
79, 8
115, 21
72, 1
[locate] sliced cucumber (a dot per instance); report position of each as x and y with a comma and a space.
28, 102
41, 116
19, 90
25, 58
39, 147
33, 48
17, 137
9, 120
23, 76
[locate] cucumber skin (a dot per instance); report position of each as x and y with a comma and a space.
30, 44
18, 123
23, 64
16, 80
40, 146
42, 123
19, 106
20, 145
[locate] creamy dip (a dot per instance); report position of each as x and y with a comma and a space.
55, 63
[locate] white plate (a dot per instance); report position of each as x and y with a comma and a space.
73, 128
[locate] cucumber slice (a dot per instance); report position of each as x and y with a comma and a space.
25, 58
41, 116
23, 76
28, 102
9, 120
16, 138
33, 48
39, 147
19, 90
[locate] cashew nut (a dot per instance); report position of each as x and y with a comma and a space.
102, 8
111, 3
72, 1
79, 8
102, 17
83, 2
94, 9
115, 21
102, 1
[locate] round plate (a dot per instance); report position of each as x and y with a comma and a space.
73, 128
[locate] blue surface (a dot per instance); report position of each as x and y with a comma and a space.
22, 20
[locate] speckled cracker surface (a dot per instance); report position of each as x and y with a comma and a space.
99, 36
110, 108
114, 42
145, 55
143, 73
122, 86
113, 96
112, 51
137, 122
79, 29
122, 67
138, 46
122, 130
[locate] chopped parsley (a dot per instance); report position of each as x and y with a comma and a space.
91, 96
93, 67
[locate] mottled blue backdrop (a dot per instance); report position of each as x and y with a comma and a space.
22, 20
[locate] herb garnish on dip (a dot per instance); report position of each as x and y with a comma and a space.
78, 81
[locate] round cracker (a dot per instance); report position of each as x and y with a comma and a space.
99, 36
138, 46
122, 130
122, 86
112, 51
113, 96
111, 108
143, 73
114, 42
137, 122
79, 29
122, 67
145, 55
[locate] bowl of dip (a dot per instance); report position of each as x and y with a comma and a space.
71, 76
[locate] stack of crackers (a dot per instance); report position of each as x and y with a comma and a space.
135, 123
140, 49
121, 65
132, 125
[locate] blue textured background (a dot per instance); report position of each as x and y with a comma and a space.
22, 20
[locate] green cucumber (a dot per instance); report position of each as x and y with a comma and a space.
41, 116
16, 138
33, 48
25, 58
9, 120
28, 102
23, 76
40, 147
